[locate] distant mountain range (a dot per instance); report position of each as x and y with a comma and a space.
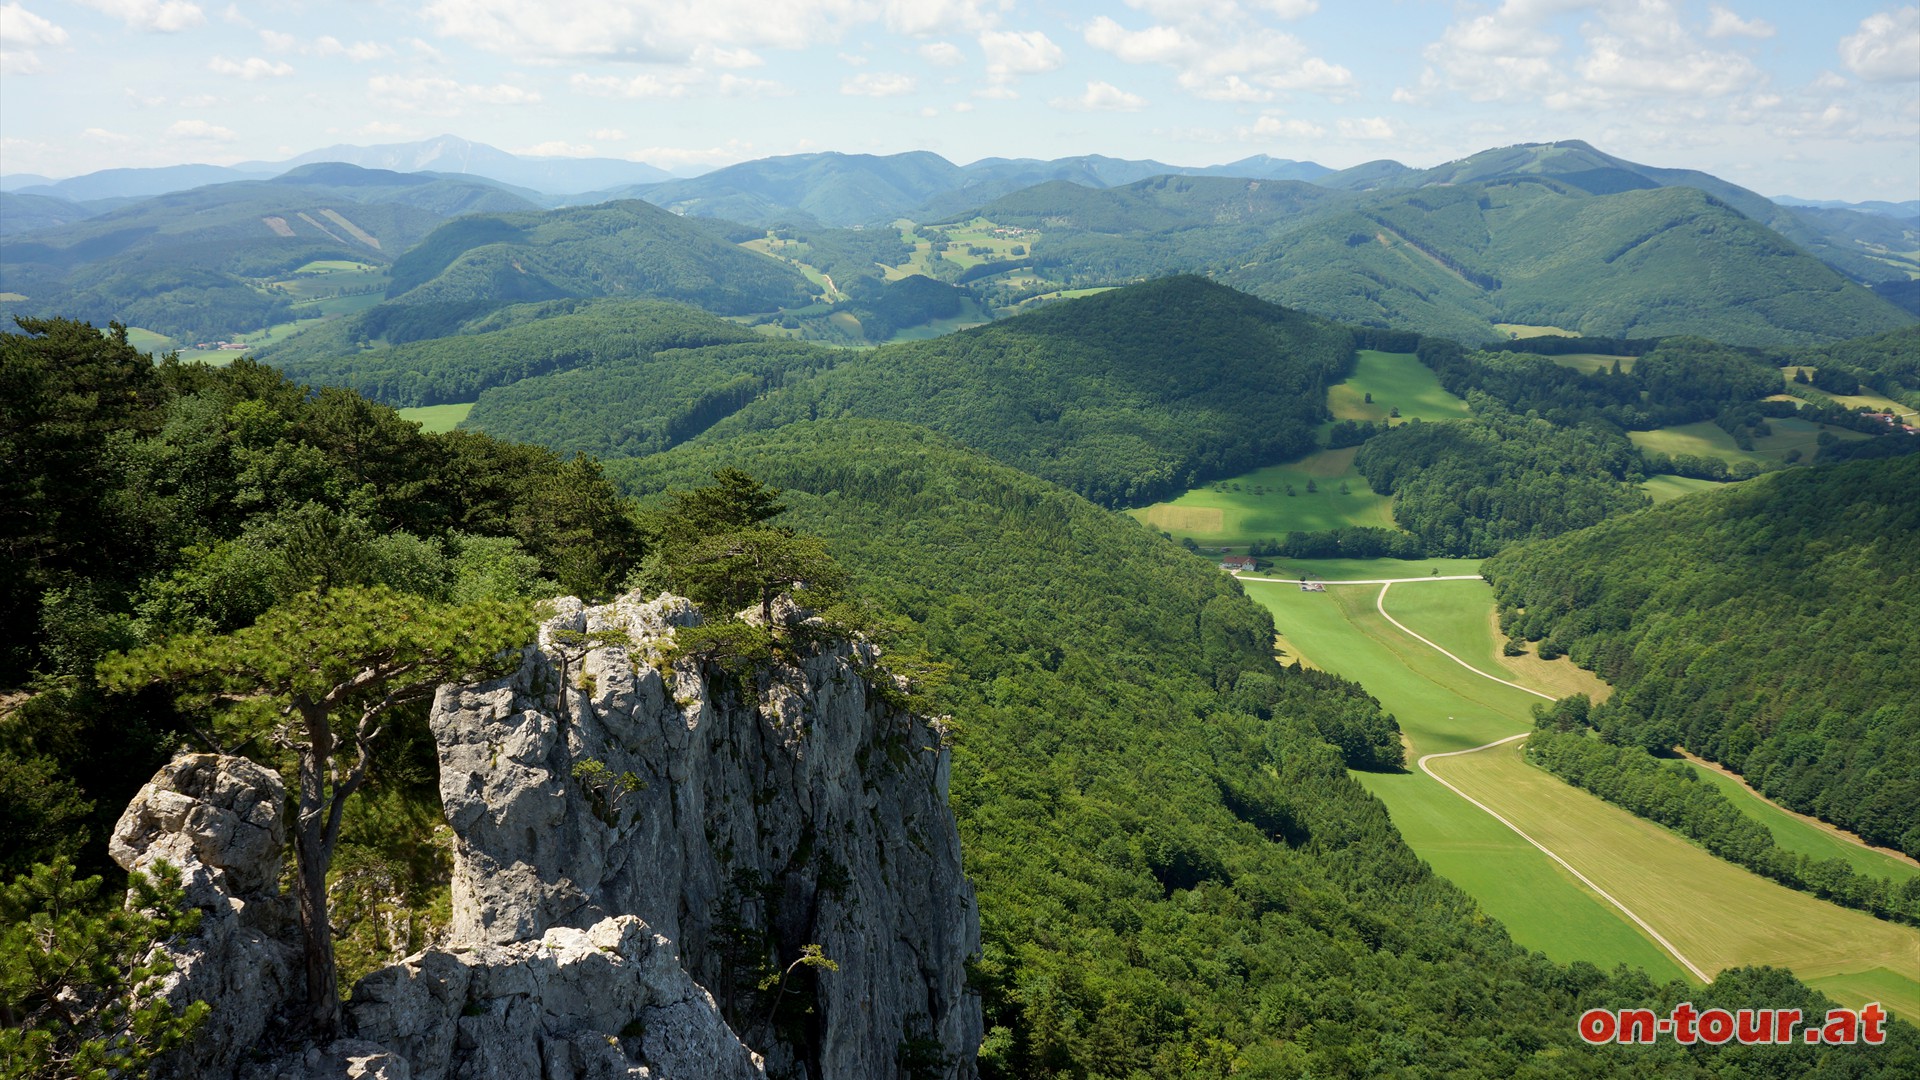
1553, 234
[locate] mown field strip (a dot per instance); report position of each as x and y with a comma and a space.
1442, 708
1451, 704
1710, 913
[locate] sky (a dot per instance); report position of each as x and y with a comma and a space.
1811, 98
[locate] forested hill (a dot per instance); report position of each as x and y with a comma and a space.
1175, 875
189, 263
1781, 638
1124, 397
626, 248
1645, 263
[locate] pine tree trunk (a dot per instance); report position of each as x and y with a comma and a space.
310, 879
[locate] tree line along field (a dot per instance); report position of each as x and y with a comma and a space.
1716, 914
1794, 833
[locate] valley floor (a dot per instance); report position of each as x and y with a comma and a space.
1474, 707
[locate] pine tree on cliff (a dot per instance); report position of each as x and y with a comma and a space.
319, 677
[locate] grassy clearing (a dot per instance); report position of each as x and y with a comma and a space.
1062, 294
1668, 488
438, 417
1255, 506
1718, 914
1795, 834
1706, 439
1460, 615
1851, 401
1522, 330
795, 253
147, 341
1396, 381
1592, 362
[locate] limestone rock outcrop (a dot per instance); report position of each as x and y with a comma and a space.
611, 1001
662, 871
742, 819
218, 819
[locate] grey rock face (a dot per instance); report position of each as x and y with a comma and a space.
610, 1001
790, 809
217, 818
345, 1059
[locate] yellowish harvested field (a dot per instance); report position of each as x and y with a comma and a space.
1717, 914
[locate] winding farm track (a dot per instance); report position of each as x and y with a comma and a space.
1380, 603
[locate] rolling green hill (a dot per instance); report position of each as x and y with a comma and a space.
1637, 263
194, 264
1125, 397
1780, 639
1867, 247
629, 249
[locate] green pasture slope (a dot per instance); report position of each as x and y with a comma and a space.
1255, 506
1396, 381
1235, 512
1590, 363
1706, 439
437, 418
1717, 914
1668, 488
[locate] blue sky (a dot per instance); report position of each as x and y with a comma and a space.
1817, 99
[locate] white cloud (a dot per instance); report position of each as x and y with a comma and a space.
1012, 53
113, 138
1223, 59
1288, 9
359, 50
443, 96
253, 67
963, 106
854, 59
922, 17
727, 58
878, 84
607, 135
1619, 65
384, 129
18, 26
672, 31
671, 156
1154, 45
1366, 127
275, 41
1887, 48
942, 54
200, 129
555, 148
673, 84
164, 16
1727, 24
1274, 127
1102, 97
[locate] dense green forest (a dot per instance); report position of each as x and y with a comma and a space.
147, 499
629, 249
504, 347
1472, 487
1780, 639
1175, 875
1125, 397
1671, 793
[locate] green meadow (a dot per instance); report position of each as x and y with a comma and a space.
1668, 488
1395, 381
1592, 362
1367, 569
1706, 439
1851, 401
1715, 913
1255, 506
1795, 833
437, 418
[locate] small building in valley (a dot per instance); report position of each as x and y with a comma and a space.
1236, 564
